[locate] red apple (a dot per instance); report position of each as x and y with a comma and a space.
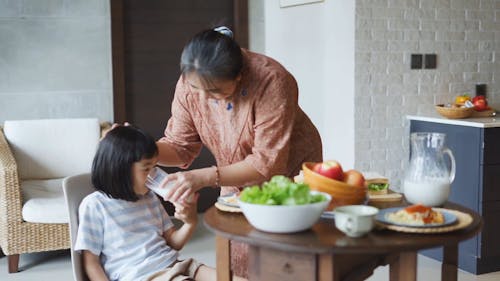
330, 169
354, 177
480, 103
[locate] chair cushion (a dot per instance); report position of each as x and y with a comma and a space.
52, 148
43, 201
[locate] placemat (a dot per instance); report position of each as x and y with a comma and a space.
463, 220
226, 208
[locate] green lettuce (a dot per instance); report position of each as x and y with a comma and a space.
280, 190
377, 186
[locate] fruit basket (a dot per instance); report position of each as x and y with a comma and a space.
490, 112
454, 112
342, 193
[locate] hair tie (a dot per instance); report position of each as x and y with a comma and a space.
224, 31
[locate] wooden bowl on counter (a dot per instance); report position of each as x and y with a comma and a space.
454, 112
341, 192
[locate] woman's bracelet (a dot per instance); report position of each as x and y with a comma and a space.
217, 176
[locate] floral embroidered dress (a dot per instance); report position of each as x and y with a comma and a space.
261, 124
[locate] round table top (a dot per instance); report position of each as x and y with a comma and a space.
324, 237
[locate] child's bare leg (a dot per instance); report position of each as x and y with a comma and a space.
206, 273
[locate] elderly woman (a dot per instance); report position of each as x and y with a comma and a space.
244, 108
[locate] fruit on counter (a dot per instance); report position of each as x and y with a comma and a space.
462, 99
330, 169
354, 177
480, 103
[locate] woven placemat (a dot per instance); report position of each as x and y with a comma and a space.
226, 208
463, 220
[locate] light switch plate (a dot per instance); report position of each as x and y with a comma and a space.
416, 61
289, 3
430, 61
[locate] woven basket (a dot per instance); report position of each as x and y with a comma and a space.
454, 112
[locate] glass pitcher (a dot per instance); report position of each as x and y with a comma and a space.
428, 179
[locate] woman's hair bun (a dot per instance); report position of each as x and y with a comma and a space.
225, 31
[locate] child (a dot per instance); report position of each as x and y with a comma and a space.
124, 231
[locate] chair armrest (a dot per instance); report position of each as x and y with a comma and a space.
10, 190
105, 127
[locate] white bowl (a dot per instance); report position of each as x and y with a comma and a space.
284, 218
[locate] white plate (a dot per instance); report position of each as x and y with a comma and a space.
449, 218
230, 200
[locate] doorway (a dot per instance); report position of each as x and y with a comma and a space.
147, 41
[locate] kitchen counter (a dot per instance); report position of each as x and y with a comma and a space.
485, 122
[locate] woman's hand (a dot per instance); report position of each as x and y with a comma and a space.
187, 183
186, 210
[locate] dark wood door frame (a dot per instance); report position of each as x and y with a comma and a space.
240, 14
118, 61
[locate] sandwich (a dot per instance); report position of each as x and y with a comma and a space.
376, 183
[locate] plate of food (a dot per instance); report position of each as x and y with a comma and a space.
418, 215
230, 200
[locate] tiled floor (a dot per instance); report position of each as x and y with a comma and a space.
57, 265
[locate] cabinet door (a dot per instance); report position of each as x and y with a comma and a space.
491, 146
491, 183
491, 230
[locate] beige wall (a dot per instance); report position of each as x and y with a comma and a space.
315, 42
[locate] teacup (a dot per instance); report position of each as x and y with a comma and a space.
355, 220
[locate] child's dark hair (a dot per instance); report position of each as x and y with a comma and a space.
213, 56
117, 152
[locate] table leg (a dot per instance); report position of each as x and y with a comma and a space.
404, 268
326, 269
223, 256
450, 262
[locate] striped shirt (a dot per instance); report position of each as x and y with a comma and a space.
127, 236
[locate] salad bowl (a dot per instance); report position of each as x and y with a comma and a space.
284, 218
282, 206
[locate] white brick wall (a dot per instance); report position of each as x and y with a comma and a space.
465, 35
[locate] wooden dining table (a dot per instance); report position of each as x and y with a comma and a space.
324, 253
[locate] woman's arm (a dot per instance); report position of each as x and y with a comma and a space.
239, 174
167, 155
186, 183
93, 267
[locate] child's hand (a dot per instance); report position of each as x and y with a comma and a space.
185, 210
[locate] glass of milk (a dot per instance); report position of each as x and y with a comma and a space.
155, 180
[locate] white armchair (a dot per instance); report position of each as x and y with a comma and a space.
35, 157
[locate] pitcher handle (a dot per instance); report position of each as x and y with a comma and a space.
453, 165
